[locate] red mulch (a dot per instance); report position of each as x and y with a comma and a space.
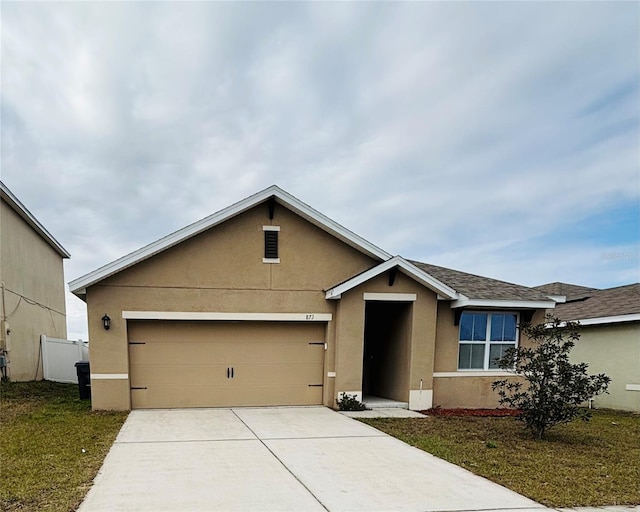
495, 413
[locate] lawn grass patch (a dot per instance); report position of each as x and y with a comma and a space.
592, 463
44, 428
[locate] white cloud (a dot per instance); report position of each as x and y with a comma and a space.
463, 134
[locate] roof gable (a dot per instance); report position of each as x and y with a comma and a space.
396, 262
14, 203
79, 285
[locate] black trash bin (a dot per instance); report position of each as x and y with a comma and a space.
84, 380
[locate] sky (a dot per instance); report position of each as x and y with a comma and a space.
501, 139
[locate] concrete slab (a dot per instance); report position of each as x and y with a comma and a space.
611, 508
303, 458
195, 476
302, 422
156, 425
377, 402
383, 413
383, 473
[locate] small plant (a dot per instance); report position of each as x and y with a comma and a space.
555, 388
350, 403
491, 444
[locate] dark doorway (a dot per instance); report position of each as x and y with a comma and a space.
387, 344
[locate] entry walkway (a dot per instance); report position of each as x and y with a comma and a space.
279, 459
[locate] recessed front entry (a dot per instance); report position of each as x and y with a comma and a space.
387, 350
221, 364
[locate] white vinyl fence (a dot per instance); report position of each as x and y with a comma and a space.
60, 356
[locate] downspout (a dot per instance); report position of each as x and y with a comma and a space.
3, 324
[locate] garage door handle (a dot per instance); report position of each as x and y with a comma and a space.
228, 372
232, 372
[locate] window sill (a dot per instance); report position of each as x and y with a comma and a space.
270, 260
474, 373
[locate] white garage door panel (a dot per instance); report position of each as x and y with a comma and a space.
220, 364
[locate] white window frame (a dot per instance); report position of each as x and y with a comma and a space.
487, 341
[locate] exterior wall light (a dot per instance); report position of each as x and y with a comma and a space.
106, 322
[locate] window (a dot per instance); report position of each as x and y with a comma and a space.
485, 337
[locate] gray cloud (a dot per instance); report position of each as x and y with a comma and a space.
464, 134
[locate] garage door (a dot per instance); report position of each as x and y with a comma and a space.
221, 364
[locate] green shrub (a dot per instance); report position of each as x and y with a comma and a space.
555, 388
350, 403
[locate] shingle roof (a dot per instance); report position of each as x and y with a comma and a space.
622, 300
479, 287
570, 291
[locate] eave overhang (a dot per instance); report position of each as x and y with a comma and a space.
603, 320
466, 302
14, 203
78, 286
445, 292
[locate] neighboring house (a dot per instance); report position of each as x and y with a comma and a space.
269, 302
32, 280
609, 337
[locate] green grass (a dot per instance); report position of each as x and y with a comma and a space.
44, 428
580, 464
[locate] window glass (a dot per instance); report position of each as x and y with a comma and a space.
497, 351
479, 326
497, 327
503, 327
473, 327
466, 327
509, 327
471, 356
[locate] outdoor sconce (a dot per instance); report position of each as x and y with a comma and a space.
106, 322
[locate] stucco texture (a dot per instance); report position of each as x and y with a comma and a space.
33, 300
614, 350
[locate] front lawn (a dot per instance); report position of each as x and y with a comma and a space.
580, 464
51, 445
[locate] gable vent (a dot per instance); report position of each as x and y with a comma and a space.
271, 244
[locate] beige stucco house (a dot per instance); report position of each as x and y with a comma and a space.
269, 302
32, 288
609, 337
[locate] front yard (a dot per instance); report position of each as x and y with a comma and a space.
581, 464
51, 447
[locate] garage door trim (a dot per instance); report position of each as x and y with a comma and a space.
213, 315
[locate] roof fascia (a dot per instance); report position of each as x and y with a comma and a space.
15, 204
465, 302
323, 222
79, 285
419, 275
635, 317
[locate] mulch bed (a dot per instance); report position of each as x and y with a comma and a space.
483, 413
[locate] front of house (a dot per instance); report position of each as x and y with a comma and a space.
269, 302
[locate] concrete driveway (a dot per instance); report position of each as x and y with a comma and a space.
272, 459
